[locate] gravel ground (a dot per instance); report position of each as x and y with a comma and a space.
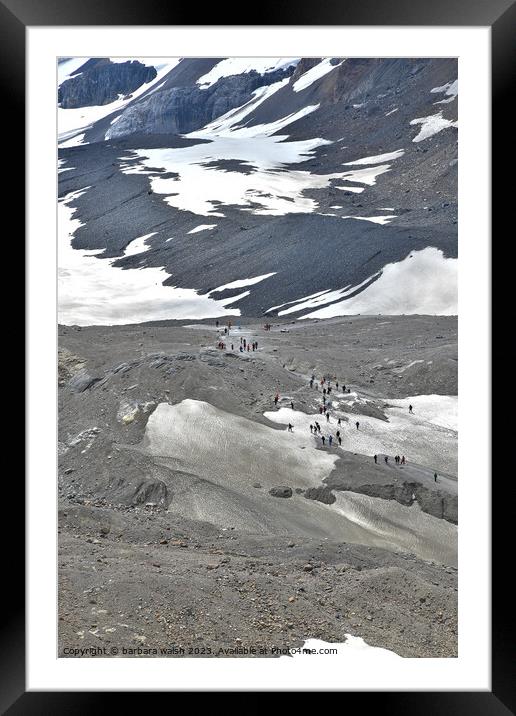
136, 571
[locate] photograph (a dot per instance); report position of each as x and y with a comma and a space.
257, 360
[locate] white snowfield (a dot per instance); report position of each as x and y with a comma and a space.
428, 436
425, 283
354, 647
270, 188
315, 73
217, 458
431, 125
92, 291
240, 65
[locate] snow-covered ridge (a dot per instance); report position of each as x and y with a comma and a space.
314, 74
241, 65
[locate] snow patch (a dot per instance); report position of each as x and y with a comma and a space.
353, 647
450, 89
138, 246
431, 125
378, 158
374, 219
243, 282
202, 227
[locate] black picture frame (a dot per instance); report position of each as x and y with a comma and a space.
500, 16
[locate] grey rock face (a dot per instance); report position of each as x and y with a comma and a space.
102, 81
183, 109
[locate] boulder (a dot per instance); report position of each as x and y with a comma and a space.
281, 491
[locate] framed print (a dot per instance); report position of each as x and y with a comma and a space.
259, 369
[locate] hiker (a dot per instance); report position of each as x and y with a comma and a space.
338, 422
217, 324
232, 347
327, 417
248, 347
256, 343
320, 409
290, 426
338, 433
324, 400
311, 428
410, 408
375, 459
244, 342
324, 391
225, 331
340, 441
311, 383
435, 477
337, 385
396, 459
403, 459
241, 349
276, 398
329, 389
323, 439
349, 390
343, 388
292, 404
330, 439
386, 459
357, 424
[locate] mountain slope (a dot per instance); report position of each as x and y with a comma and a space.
328, 176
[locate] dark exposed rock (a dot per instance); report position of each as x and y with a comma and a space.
81, 381
101, 82
153, 492
281, 491
321, 494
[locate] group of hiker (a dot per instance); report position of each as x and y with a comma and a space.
326, 386
245, 345
399, 460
